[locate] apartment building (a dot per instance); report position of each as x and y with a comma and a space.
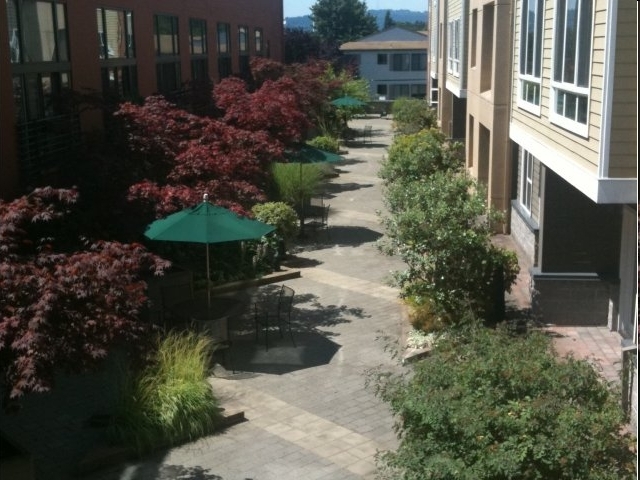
488, 153
393, 61
550, 90
123, 49
574, 125
452, 38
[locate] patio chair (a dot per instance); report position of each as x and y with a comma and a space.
275, 311
319, 223
367, 132
218, 331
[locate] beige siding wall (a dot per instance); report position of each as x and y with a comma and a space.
623, 162
582, 151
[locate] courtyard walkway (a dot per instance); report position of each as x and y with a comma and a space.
309, 414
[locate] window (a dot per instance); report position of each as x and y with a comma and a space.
37, 31
167, 51
224, 50
382, 59
400, 62
419, 90
38, 52
531, 51
243, 47
418, 62
258, 39
198, 49
397, 91
115, 33
526, 180
116, 50
223, 39
166, 35
120, 81
572, 63
381, 89
454, 48
474, 37
168, 76
243, 40
197, 36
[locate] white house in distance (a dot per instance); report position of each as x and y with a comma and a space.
394, 61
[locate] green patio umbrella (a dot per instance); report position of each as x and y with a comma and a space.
206, 223
308, 154
348, 101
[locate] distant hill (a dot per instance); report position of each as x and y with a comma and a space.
399, 16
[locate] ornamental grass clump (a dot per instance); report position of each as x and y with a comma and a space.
170, 401
487, 404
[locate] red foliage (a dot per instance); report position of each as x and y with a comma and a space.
188, 156
273, 108
62, 311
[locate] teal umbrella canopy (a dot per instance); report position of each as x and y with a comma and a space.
308, 154
206, 223
348, 101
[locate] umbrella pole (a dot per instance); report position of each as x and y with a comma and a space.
208, 281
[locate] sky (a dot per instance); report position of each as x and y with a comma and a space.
298, 8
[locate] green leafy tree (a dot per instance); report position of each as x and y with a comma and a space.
340, 21
487, 404
300, 45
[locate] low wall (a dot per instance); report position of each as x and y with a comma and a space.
566, 299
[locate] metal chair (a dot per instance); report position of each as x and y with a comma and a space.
320, 223
275, 311
367, 132
218, 331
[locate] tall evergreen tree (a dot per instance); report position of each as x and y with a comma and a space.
388, 21
340, 21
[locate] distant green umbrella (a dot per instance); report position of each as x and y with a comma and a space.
308, 154
206, 223
348, 101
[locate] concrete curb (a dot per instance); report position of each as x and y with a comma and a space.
284, 273
110, 456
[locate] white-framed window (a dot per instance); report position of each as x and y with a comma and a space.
526, 180
454, 48
572, 64
531, 33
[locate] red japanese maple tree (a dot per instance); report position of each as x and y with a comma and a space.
63, 309
187, 155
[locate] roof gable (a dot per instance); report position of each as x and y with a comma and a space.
395, 34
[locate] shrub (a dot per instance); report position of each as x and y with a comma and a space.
170, 400
281, 216
417, 156
441, 227
329, 144
410, 115
295, 182
488, 405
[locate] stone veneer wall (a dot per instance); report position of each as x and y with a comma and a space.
572, 299
524, 234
